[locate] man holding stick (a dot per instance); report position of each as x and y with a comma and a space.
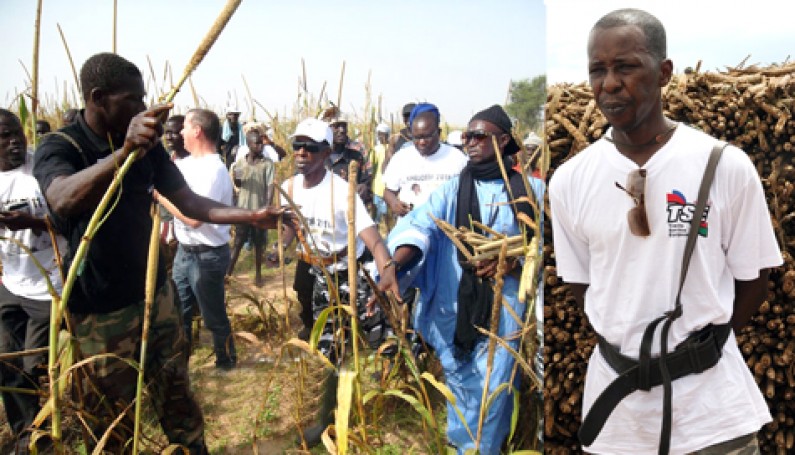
107, 303
456, 295
323, 200
622, 212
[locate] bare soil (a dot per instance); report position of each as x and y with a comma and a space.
261, 406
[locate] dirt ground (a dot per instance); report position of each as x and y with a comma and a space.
259, 406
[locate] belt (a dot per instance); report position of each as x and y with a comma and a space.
323, 261
699, 352
198, 248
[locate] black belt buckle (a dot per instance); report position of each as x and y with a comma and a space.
196, 248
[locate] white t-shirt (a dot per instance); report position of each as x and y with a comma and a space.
206, 176
325, 208
415, 176
268, 151
20, 274
633, 280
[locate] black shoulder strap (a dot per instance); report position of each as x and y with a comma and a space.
72, 141
669, 317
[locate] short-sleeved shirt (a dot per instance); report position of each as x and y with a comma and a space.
325, 208
255, 179
206, 176
113, 272
633, 280
416, 176
21, 276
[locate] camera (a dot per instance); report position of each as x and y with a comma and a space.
13, 207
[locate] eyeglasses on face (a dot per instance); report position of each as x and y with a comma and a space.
311, 147
424, 137
476, 135
636, 189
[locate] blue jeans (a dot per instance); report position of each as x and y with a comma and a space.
199, 276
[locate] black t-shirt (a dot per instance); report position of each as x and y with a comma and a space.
114, 269
340, 165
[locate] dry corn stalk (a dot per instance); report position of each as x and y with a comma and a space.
484, 248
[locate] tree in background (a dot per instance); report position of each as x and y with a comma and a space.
527, 98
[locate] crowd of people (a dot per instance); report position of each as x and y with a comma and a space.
208, 175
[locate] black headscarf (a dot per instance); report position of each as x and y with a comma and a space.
475, 295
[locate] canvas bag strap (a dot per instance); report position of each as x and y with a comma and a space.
698, 214
669, 317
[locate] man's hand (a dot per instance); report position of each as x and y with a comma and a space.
399, 207
268, 217
18, 219
364, 192
387, 283
488, 268
145, 129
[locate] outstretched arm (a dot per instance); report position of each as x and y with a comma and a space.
204, 209
190, 222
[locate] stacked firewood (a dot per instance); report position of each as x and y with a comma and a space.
750, 107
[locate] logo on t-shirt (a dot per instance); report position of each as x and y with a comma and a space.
680, 214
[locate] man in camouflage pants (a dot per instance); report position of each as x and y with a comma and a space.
169, 387
74, 168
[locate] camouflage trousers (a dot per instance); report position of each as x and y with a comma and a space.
107, 384
323, 295
744, 445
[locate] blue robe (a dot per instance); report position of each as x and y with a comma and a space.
437, 274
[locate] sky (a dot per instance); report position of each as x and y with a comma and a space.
460, 55
719, 33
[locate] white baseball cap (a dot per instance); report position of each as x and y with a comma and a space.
231, 108
532, 139
383, 128
315, 129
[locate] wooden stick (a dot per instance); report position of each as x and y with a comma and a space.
34, 88
494, 328
115, 21
339, 93
150, 289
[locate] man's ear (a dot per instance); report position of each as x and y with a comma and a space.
666, 71
97, 96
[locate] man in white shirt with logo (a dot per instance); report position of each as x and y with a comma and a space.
414, 173
621, 215
322, 197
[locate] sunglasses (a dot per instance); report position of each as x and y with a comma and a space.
311, 147
477, 135
636, 189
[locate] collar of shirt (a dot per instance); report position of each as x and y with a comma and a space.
97, 143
